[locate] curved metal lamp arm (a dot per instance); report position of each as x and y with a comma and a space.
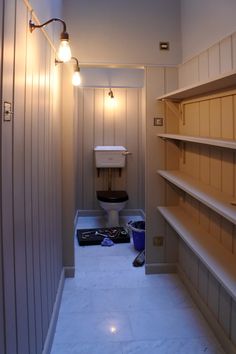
64, 34
77, 63
76, 60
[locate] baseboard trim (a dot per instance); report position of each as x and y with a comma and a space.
160, 268
53, 322
227, 345
69, 272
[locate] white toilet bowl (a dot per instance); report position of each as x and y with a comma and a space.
112, 202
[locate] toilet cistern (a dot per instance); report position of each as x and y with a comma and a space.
108, 156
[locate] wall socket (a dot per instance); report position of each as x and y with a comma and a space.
158, 121
158, 241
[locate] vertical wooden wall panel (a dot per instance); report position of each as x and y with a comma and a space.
35, 200
98, 119
204, 168
213, 295
226, 64
227, 235
18, 181
41, 187
203, 66
109, 120
51, 243
215, 168
120, 116
55, 132
203, 281
28, 194
88, 155
228, 175
204, 118
215, 225
47, 195
80, 150
227, 117
215, 118
2, 325
7, 182
132, 146
214, 60
234, 51
233, 323
224, 310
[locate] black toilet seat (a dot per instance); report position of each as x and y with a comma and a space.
112, 196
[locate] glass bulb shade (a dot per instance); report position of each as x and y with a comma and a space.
64, 52
76, 78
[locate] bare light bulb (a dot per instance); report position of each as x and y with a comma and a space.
76, 78
64, 52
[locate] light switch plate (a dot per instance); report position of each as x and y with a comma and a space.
7, 112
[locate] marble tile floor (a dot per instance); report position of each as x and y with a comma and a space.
111, 307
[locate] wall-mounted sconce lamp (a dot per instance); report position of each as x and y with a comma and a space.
76, 78
111, 101
111, 94
64, 52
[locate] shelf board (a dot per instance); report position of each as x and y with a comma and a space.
207, 195
229, 144
220, 262
222, 82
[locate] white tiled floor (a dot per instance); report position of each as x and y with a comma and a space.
110, 307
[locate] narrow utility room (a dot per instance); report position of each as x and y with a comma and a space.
118, 177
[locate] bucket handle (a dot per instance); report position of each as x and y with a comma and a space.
133, 228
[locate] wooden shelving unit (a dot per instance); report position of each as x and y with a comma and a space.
206, 220
218, 260
215, 200
229, 144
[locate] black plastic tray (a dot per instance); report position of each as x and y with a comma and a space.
88, 237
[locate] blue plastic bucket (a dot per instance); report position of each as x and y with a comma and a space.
138, 233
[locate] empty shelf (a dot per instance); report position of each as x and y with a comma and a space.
229, 144
207, 195
222, 82
216, 258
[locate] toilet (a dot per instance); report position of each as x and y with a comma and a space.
112, 201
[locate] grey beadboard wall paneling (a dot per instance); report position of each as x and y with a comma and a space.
35, 196
18, 182
7, 182
100, 124
31, 266
218, 59
157, 80
41, 187
68, 169
29, 195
